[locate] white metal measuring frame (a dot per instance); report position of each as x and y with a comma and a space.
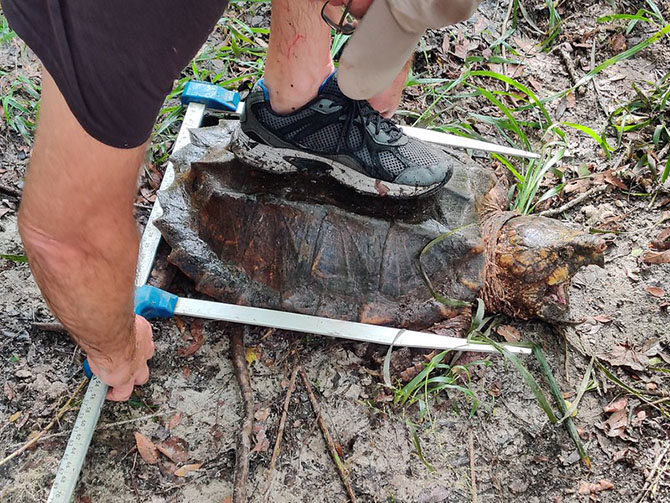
75, 452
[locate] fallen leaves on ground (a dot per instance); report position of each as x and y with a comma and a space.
174, 421
616, 405
662, 241
509, 333
253, 354
600, 486
186, 469
616, 424
196, 342
146, 448
654, 257
625, 355
174, 448
656, 291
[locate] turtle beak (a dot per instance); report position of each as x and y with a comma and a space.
591, 249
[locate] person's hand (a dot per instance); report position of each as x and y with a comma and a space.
357, 7
122, 376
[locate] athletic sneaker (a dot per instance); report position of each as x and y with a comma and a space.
344, 138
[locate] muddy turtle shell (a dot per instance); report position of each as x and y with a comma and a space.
303, 243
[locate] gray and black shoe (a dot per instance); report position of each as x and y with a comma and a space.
345, 138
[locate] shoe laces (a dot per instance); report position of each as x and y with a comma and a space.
361, 109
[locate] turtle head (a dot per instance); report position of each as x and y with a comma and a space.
535, 260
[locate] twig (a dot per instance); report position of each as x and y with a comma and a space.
238, 357
648, 482
503, 29
473, 478
47, 326
113, 425
570, 67
51, 424
599, 98
574, 202
327, 437
280, 434
10, 190
566, 361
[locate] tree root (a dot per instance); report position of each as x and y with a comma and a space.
341, 469
238, 356
280, 433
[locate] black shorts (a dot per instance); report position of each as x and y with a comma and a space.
114, 60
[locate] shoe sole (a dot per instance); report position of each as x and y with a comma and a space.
281, 160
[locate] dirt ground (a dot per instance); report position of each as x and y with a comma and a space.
621, 313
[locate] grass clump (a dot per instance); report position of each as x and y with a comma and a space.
645, 120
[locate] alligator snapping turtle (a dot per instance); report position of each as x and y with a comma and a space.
301, 242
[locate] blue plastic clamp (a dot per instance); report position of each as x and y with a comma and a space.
211, 95
152, 302
87, 369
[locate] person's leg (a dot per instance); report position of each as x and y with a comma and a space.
298, 58
76, 223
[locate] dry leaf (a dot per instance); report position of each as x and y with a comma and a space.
9, 392
639, 418
617, 405
614, 180
662, 242
262, 414
174, 421
174, 448
510, 333
654, 257
15, 416
656, 291
625, 355
445, 43
181, 472
602, 318
146, 448
252, 354
602, 485
618, 42
616, 423
198, 339
262, 442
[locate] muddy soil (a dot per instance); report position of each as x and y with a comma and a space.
620, 312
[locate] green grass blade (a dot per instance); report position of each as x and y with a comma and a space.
440, 298
14, 258
558, 397
527, 376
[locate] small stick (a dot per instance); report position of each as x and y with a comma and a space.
503, 29
566, 361
113, 425
48, 427
10, 190
47, 326
648, 482
574, 202
238, 357
567, 61
326, 435
599, 98
473, 479
280, 433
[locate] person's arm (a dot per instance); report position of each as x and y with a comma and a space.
76, 223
